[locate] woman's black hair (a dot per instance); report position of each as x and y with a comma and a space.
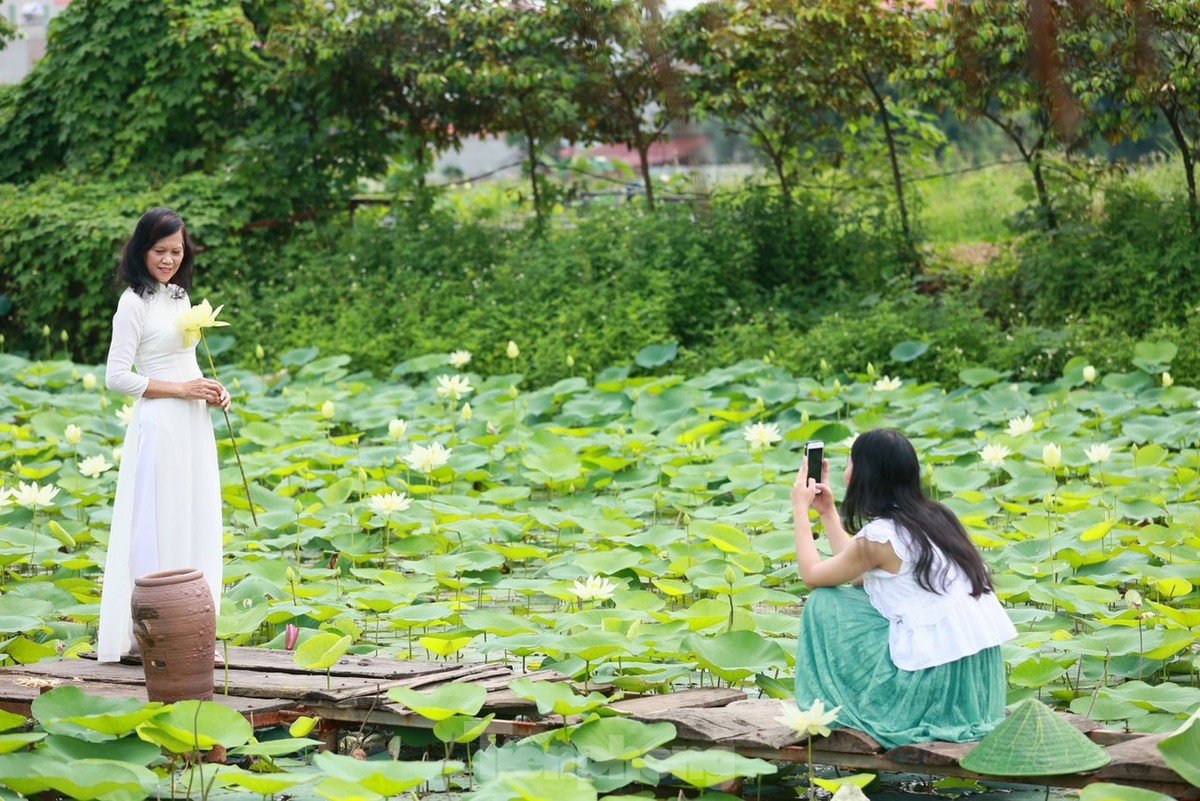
886, 482
156, 224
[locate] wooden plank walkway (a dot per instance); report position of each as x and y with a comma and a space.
270, 690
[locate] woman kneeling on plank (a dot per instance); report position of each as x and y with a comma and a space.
912, 654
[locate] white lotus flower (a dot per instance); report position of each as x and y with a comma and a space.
460, 359
1100, 452
1167, 381
397, 428
5, 497
1020, 426
31, 496
328, 410
1052, 456
125, 414
426, 460
89, 381
1089, 374
887, 384
761, 435
93, 466
593, 588
512, 351
994, 455
810, 722
193, 321
390, 503
454, 387
73, 434
116, 452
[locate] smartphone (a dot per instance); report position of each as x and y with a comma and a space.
814, 453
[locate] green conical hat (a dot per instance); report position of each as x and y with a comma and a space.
1034, 741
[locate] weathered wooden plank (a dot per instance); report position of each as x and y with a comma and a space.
930, 753
273, 661
646, 706
719, 726
1138, 760
17, 696
849, 741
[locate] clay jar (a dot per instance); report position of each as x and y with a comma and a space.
175, 624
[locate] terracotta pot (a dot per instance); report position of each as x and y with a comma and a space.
175, 624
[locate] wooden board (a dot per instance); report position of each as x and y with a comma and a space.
270, 660
930, 754
1138, 760
17, 697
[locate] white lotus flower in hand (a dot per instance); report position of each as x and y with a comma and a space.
454, 387
810, 722
428, 459
193, 321
593, 588
761, 435
390, 503
31, 496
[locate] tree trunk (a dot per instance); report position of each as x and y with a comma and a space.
897, 178
531, 152
1189, 163
1033, 161
643, 149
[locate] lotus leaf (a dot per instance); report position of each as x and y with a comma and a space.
189, 726
274, 748
461, 728
444, 702
705, 768
263, 784
1034, 741
736, 655
620, 738
34, 772
1102, 791
385, 777
555, 697
70, 712
321, 652
131, 749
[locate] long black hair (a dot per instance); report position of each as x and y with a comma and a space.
886, 482
156, 224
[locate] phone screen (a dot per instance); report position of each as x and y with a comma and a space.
814, 452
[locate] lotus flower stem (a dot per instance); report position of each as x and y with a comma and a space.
232, 438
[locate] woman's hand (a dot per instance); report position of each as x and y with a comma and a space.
809, 493
205, 389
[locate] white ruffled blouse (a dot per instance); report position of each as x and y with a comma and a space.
929, 629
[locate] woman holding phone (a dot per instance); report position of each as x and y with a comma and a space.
913, 654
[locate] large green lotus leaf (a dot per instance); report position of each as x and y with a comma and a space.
554, 465
1106, 708
127, 749
274, 748
725, 537
1034, 741
11, 720
1181, 751
322, 651
336, 789
1103, 791
237, 620
263, 784
736, 655
462, 728
1037, 672
70, 712
537, 786
1174, 698
590, 644
33, 772
499, 623
620, 738
555, 697
980, 376
19, 740
705, 768
385, 777
959, 479
24, 614
445, 701
196, 725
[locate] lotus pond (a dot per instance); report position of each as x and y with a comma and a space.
631, 529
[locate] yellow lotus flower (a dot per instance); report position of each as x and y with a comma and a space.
1052, 456
390, 503
811, 722
1100, 452
73, 434
93, 466
594, 588
994, 455
31, 496
193, 321
460, 359
761, 435
1019, 426
512, 351
428, 459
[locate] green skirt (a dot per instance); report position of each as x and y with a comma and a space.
842, 659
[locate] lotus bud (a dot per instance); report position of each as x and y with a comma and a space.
467, 414
1089, 374
1052, 456
513, 392
824, 366
73, 434
259, 353
293, 634
397, 428
64, 336
89, 381
570, 361
730, 574
804, 416
870, 370
328, 410
512, 351
1167, 380
46, 331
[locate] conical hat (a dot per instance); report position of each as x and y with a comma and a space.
1034, 741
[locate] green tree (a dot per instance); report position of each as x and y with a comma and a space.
983, 63
746, 66
630, 90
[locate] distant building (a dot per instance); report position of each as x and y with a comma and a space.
32, 18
